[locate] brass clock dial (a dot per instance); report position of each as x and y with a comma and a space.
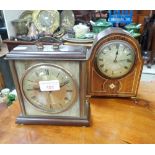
115, 59
49, 100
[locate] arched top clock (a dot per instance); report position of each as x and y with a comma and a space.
115, 64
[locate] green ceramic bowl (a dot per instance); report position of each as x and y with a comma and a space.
133, 26
100, 25
136, 35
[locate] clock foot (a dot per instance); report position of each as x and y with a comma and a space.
135, 99
57, 120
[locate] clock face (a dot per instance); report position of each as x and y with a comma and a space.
115, 59
49, 88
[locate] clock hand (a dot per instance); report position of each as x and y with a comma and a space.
115, 60
61, 85
64, 83
50, 100
128, 60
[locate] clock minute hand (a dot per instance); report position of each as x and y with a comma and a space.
115, 60
50, 98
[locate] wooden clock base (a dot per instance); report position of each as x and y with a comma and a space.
72, 121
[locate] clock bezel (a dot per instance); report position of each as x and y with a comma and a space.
98, 52
38, 107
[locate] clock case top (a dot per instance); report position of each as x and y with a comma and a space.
125, 86
64, 53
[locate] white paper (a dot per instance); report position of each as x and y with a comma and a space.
48, 48
20, 48
52, 85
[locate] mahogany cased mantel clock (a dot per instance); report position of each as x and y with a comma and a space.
115, 65
51, 84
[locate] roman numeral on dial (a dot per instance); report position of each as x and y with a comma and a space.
102, 65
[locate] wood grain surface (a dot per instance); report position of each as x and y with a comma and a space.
113, 120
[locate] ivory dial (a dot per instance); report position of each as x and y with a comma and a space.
55, 101
115, 59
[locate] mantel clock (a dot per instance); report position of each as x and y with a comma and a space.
51, 84
115, 64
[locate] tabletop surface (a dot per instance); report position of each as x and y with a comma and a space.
113, 120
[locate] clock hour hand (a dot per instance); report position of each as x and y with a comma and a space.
64, 83
128, 60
